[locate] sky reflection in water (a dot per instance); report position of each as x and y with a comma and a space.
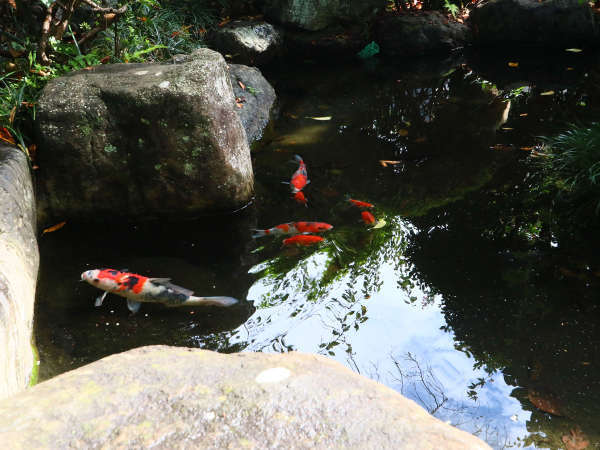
400, 343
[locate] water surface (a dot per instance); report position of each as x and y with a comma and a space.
464, 301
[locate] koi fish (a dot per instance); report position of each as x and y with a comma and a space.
360, 204
300, 177
138, 288
300, 198
303, 239
367, 217
294, 228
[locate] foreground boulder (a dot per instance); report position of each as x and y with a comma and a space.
143, 140
416, 35
18, 271
190, 398
550, 23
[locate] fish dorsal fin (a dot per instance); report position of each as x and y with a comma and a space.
133, 305
166, 282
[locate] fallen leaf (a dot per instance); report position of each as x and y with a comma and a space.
403, 132
507, 128
570, 68
547, 93
58, 226
242, 85
527, 149
6, 136
319, 118
420, 140
105, 59
513, 64
380, 224
523, 115
239, 105
576, 440
501, 147
385, 162
11, 117
573, 50
35, 167
224, 22
31, 150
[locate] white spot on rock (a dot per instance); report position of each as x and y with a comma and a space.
165, 84
141, 72
158, 74
273, 375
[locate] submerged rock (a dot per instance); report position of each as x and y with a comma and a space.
314, 15
550, 23
256, 99
19, 259
143, 140
192, 398
250, 43
416, 35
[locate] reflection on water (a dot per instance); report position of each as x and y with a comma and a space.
470, 301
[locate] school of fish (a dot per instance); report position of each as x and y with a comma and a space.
302, 230
138, 289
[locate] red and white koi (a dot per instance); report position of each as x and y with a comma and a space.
294, 228
303, 239
139, 289
300, 198
300, 177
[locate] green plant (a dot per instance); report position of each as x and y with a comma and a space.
571, 163
451, 8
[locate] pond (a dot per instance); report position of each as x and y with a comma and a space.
464, 300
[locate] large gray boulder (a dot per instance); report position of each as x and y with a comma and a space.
19, 261
170, 397
560, 23
313, 15
143, 140
423, 34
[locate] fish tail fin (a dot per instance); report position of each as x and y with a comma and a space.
211, 301
259, 233
298, 158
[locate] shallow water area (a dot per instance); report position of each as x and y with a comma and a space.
460, 301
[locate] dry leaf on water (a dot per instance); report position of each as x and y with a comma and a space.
58, 226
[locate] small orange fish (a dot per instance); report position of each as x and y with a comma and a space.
303, 239
367, 217
360, 204
300, 198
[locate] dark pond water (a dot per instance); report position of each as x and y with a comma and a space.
470, 300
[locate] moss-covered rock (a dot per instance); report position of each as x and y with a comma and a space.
189, 398
139, 140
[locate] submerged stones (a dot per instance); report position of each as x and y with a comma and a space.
550, 23
143, 140
18, 271
190, 398
427, 33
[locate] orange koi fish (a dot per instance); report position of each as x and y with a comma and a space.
300, 198
360, 204
367, 217
138, 288
303, 239
294, 228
